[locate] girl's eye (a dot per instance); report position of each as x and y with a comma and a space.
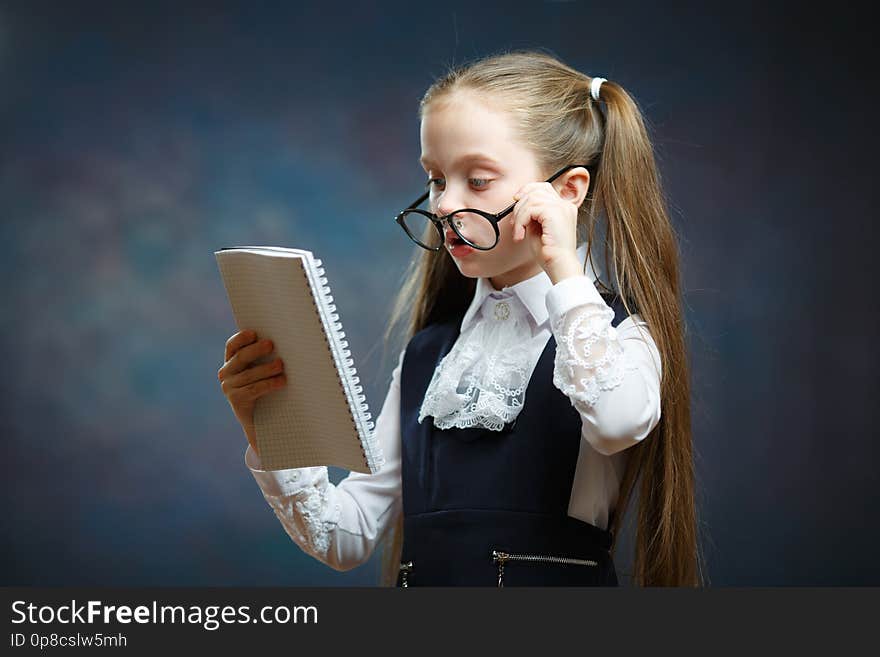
479, 183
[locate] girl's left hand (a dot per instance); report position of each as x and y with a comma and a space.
549, 223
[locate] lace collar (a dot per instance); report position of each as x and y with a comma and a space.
482, 381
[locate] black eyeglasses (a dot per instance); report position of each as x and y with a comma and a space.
475, 228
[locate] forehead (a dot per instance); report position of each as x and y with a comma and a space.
463, 125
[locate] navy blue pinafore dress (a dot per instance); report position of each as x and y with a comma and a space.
489, 508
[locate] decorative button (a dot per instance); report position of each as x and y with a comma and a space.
502, 310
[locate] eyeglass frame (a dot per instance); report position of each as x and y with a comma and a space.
493, 218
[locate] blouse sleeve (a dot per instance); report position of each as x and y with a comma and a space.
340, 525
611, 375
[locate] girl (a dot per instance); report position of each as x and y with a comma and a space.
527, 404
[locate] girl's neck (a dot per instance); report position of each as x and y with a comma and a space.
516, 275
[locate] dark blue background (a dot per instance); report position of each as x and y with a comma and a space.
137, 139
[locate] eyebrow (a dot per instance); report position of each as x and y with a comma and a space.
469, 157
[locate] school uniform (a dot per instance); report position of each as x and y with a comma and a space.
473, 496
505, 435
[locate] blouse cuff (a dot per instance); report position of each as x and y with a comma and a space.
282, 482
569, 293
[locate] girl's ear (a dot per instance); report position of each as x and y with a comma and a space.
574, 185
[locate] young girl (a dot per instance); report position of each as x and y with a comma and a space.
527, 404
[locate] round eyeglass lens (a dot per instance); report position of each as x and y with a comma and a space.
475, 228
422, 229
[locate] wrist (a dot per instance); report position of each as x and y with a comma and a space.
563, 269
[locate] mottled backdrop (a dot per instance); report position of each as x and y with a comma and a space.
137, 138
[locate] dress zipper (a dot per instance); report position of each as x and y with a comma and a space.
502, 557
406, 568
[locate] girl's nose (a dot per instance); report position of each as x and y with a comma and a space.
442, 211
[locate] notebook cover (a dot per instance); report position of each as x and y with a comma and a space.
309, 421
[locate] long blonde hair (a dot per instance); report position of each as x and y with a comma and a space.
556, 117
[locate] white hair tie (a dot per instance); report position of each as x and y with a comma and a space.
594, 87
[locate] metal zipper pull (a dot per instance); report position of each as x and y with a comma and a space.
405, 568
500, 558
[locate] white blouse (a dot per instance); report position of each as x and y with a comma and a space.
611, 375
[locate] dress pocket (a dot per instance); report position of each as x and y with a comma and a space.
545, 569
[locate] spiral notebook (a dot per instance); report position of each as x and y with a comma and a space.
320, 417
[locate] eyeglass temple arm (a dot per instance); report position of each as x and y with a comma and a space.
418, 201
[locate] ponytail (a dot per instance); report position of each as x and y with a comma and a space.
645, 261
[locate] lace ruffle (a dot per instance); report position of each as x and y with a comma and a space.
482, 381
589, 356
304, 515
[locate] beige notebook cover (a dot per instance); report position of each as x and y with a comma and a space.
320, 417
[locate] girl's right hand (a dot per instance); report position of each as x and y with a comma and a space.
243, 383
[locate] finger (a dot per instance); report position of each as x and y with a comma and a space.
523, 218
519, 217
237, 341
233, 344
245, 356
257, 389
530, 211
525, 190
543, 192
549, 190
252, 374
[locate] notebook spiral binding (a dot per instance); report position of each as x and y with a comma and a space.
349, 380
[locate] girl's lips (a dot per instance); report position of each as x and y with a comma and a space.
460, 249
